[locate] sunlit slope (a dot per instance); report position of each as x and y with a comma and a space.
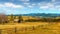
32, 28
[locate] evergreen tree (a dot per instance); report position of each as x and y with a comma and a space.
12, 17
20, 19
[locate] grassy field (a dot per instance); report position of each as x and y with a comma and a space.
31, 28
30, 25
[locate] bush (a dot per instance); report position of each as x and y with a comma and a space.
32, 20
3, 19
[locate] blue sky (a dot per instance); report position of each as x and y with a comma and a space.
29, 6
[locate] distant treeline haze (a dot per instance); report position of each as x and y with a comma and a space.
20, 19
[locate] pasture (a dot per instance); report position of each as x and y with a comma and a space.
30, 28
29, 25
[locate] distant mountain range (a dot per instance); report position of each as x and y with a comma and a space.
40, 14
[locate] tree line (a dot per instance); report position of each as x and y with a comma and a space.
4, 19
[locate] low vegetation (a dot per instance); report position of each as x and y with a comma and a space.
28, 25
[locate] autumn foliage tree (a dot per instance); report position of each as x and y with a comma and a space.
3, 18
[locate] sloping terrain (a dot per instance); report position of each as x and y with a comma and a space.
31, 28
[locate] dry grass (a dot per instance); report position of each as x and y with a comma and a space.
31, 28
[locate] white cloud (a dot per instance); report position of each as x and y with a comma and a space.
11, 5
30, 6
53, 0
27, 3
44, 7
38, 3
47, 6
8, 4
58, 7
1, 5
33, 4
51, 5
